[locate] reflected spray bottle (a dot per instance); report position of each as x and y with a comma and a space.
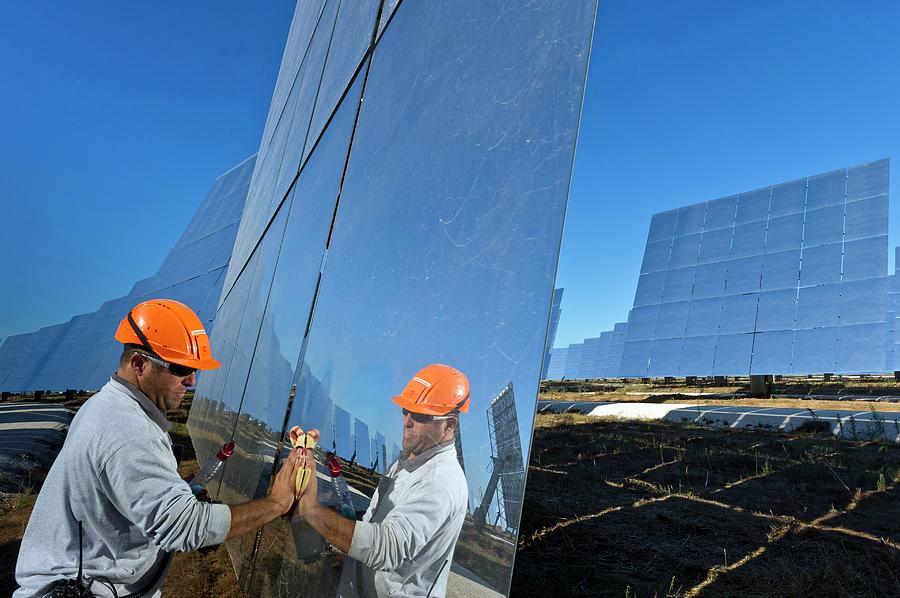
211, 467
341, 491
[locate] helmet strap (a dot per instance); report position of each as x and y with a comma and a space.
140, 334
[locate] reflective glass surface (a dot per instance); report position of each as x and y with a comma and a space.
434, 256
865, 258
863, 301
642, 322
307, 87
672, 320
815, 349
788, 198
690, 220
650, 288
749, 239
780, 270
866, 218
306, 17
662, 226
703, 317
720, 213
777, 310
665, 355
733, 354
268, 386
824, 225
738, 314
698, 355
772, 351
82, 353
635, 358
867, 180
685, 251
826, 189
855, 348
710, 280
715, 245
818, 306
350, 40
656, 256
752, 207
784, 232
679, 283
555, 312
387, 11
744, 275
821, 264
805, 256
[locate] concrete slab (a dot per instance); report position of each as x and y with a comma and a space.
857, 425
637, 410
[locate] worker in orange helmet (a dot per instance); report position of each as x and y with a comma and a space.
114, 489
404, 544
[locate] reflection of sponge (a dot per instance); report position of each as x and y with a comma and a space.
306, 440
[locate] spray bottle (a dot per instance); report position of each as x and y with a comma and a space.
340, 488
211, 467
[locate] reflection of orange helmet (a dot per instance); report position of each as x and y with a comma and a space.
436, 389
169, 329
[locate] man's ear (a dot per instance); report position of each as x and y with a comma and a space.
137, 363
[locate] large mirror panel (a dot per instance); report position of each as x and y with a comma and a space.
443, 251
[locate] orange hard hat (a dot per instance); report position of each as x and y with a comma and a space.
170, 330
436, 389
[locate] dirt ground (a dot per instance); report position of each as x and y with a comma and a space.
620, 508
638, 509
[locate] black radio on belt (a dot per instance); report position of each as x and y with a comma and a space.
76, 588
72, 588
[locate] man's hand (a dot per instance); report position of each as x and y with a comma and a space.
335, 528
250, 515
309, 498
283, 492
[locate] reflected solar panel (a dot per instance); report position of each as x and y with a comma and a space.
555, 312
81, 353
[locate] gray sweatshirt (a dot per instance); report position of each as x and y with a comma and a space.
404, 545
117, 475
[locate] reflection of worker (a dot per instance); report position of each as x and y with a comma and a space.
404, 544
117, 476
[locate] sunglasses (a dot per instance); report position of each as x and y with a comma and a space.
422, 418
182, 371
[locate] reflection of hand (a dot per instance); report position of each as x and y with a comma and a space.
308, 499
283, 488
306, 442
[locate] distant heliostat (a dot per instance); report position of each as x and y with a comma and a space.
789, 279
82, 353
786, 279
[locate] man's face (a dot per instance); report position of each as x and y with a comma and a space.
162, 387
418, 437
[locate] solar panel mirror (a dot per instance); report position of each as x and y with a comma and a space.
434, 257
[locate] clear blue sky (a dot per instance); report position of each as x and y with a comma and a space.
116, 117
690, 101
